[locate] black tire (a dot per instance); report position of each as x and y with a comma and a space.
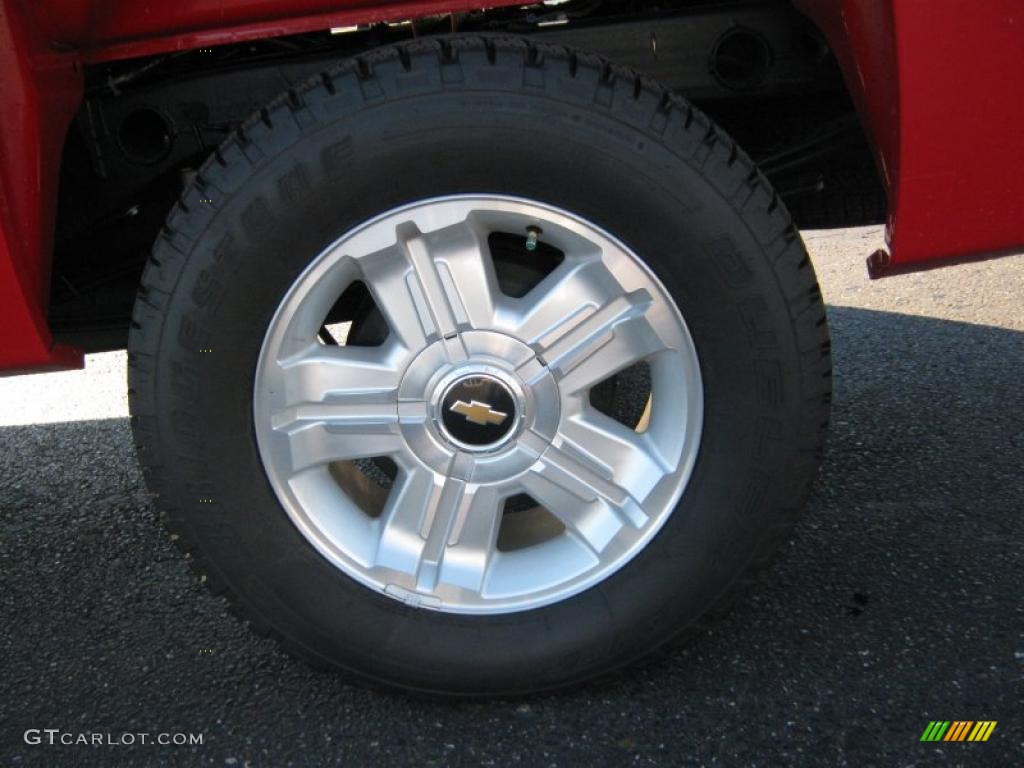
498, 116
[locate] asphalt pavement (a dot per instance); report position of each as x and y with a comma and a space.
896, 602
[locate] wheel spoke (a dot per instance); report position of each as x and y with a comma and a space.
472, 539
440, 529
621, 454
587, 502
386, 275
608, 341
584, 326
430, 286
341, 403
401, 541
566, 297
324, 373
341, 439
433, 304
463, 265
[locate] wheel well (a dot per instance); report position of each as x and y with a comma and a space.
761, 70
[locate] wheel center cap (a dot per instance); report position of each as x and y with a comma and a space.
478, 411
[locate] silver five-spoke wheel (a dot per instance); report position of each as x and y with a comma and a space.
461, 464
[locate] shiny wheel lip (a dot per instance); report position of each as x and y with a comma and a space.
435, 543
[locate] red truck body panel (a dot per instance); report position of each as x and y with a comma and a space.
938, 87
936, 82
40, 90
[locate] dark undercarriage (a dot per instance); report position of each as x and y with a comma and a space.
760, 70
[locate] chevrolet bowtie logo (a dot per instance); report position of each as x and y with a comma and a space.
478, 413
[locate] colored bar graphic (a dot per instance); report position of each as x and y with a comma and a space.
982, 730
958, 730
935, 730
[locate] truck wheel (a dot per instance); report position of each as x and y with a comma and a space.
476, 366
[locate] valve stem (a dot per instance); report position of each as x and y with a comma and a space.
531, 238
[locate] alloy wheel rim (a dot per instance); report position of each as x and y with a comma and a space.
438, 539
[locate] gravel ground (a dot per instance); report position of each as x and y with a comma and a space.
898, 600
